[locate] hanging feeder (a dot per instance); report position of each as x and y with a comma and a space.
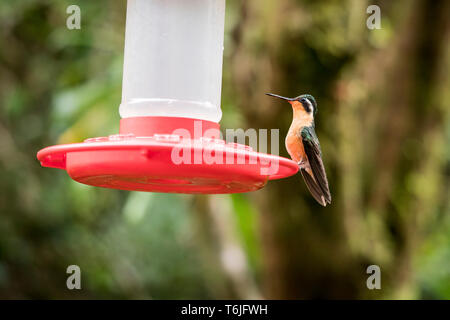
170, 112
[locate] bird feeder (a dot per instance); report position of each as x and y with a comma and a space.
170, 112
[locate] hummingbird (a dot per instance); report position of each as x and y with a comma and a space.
303, 146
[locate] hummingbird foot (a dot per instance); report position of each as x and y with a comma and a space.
302, 164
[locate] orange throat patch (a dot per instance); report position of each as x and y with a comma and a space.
294, 143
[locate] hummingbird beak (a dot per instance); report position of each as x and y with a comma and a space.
279, 97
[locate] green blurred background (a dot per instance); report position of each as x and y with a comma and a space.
383, 122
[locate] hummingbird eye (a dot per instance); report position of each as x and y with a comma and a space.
306, 104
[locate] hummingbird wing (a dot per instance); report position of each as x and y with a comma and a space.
318, 183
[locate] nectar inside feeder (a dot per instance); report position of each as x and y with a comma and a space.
169, 139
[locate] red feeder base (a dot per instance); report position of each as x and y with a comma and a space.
149, 155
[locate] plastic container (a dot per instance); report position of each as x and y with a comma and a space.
173, 59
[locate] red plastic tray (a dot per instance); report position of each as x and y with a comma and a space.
140, 158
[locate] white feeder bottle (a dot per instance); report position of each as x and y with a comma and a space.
171, 81
173, 59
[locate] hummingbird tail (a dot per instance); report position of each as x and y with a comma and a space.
313, 187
